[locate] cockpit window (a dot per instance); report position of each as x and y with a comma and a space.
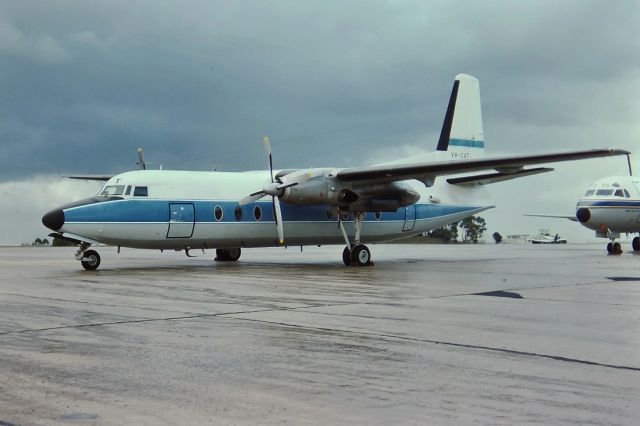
140, 191
589, 193
128, 191
619, 193
626, 194
112, 190
604, 192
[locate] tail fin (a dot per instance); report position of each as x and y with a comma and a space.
462, 134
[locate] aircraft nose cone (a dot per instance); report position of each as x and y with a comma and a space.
53, 219
583, 215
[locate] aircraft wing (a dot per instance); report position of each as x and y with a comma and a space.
90, 177
555, 216
428, 171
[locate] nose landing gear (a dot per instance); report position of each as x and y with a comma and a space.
89, 259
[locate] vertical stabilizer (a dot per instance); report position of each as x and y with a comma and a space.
462, 134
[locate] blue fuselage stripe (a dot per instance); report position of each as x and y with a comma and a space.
613, 203
150, 211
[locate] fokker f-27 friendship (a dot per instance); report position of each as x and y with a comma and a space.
228, 211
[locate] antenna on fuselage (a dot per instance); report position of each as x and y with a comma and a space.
140, 163
629, 163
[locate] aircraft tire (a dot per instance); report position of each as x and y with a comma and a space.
221, 255
360, 255
617, 249
636, 244
610, 248
346, 256
92, 260
228, 255
234, 254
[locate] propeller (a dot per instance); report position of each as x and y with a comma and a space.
275, 189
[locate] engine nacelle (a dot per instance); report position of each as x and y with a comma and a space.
330, 191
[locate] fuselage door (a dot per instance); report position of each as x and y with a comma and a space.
181, 220
409, 218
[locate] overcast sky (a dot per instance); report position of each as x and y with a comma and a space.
333, 83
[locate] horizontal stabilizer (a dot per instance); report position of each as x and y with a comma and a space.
488, 178
89, 177
555, 216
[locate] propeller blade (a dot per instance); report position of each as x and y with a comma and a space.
251, 198
141, 163
279, 225
267, 152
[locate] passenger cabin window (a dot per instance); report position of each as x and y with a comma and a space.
589, 193
140, 191
619, 193
111, 190
604, 192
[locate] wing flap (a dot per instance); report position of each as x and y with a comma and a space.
489, 178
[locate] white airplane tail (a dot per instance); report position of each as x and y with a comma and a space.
462, 134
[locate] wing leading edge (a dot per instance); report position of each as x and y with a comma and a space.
428, 171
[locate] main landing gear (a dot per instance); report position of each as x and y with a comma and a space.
89, 259
356, 254
228, 255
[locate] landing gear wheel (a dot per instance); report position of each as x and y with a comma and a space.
90, 260
610, 248
617, 249
636, 244
228, 255
346, 256
360, 255
234, 254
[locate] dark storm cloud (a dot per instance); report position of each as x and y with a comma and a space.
82, 84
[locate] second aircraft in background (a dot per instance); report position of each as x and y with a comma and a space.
610, 207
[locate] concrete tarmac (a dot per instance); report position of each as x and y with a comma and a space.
298, 338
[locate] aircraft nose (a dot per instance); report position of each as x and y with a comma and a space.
53, 219
583, 215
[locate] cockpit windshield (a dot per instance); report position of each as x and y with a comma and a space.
604, 192
111, 190
590, 192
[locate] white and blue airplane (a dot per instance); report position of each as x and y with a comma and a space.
229, 211
610, 206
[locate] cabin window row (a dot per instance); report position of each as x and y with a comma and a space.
218, 214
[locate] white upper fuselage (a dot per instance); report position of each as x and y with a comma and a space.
611, 204
180, 209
